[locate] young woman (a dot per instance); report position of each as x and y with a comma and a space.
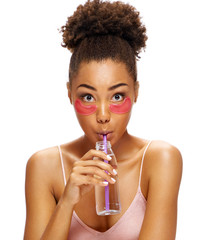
105, 39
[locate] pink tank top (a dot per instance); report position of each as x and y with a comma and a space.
126, 228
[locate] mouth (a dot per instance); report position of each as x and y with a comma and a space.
107, 133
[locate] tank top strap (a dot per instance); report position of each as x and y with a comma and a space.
140, 173
62, 164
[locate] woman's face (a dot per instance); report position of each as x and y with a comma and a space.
103, 94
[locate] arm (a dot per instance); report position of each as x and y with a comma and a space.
44, 217
46, 220
165, 170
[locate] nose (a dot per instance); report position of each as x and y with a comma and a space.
103, 114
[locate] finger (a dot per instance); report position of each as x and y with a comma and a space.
96, 153
97, 163
96, 172
91, 180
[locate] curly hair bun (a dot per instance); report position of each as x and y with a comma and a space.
101, 18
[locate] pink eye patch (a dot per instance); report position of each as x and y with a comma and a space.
121, 108
84, 109
115, 108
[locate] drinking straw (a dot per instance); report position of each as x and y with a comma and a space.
106, 187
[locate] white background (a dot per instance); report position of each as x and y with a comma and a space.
36, 113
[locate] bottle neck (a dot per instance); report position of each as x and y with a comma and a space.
102, 146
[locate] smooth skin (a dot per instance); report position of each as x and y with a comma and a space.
50, 204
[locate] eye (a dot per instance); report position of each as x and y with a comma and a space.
118, 97
87, 98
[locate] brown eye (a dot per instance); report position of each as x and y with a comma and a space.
87, 98
118, 97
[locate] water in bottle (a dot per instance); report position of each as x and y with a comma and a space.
107, 198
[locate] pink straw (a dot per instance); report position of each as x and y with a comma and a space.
107, 187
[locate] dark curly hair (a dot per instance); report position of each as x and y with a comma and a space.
101, 30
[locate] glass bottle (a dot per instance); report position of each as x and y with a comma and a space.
107, 197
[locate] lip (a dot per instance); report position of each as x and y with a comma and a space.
107, 133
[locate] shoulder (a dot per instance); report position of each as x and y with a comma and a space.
164, 163
43, 157
42, 163
161, 152
39, 190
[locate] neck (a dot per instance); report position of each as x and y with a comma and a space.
85, 145
121, 148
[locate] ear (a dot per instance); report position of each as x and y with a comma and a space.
136, 90
69, 92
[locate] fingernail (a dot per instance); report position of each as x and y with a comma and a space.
114, 171
108, 157
105, 183
113, 179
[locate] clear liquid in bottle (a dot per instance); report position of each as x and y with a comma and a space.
107, 198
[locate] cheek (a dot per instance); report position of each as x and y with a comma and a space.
83, 109
121, 108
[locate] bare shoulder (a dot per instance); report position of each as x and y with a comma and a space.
43, 157
162, 152
41, 172
42, 164
163, 165
164, 161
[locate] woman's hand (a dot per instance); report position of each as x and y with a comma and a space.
86, 173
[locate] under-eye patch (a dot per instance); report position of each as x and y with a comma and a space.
84, 109
115, 108
121, 108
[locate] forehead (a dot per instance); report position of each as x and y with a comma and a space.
102, 74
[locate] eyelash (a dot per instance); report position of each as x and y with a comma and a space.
120, 93
84, 95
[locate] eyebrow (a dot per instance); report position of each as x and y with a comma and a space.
111, 88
